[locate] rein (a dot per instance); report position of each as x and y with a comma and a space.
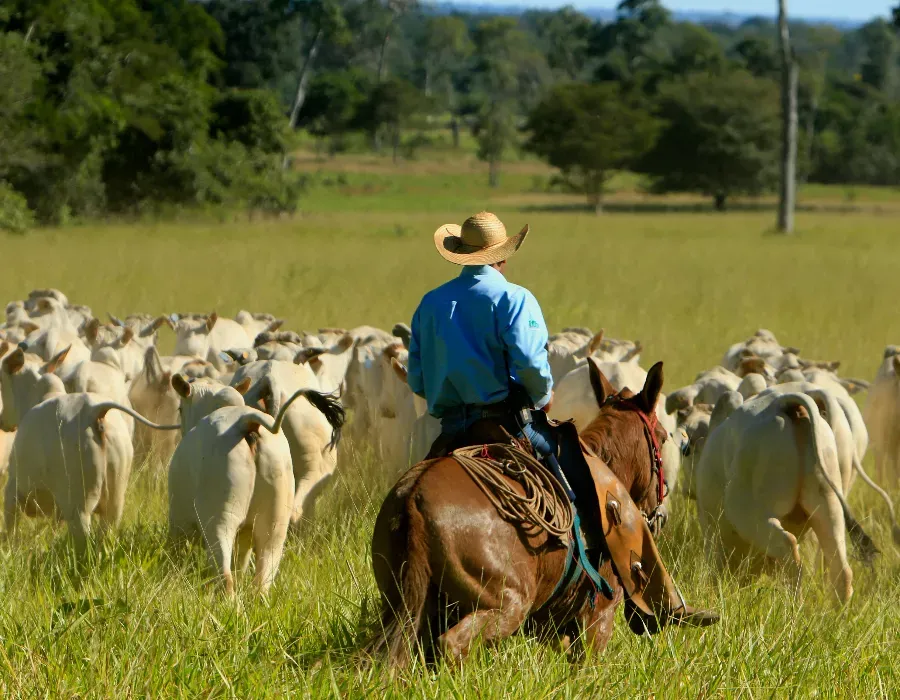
656, 465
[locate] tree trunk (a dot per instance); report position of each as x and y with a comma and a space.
594, 187
302, 83
719, 201
494, 172
789, 76
454, 129
395, 141
810, 135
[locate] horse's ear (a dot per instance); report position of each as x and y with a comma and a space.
599, 383
652, 387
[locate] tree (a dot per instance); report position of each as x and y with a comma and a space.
334, 103
588, 132
508, 71
20, 147
720, 138
564, 36
445, 48
627, 48
326, 21
757, 55
695, 49
393, 104
879, 66
789, 77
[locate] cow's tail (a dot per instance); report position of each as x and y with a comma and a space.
101, 409
895, 529
326, 403
862, 543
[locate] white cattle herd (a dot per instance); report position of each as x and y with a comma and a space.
248, 418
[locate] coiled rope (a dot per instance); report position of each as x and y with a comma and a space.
543, 507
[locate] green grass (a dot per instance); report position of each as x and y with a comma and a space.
141, 620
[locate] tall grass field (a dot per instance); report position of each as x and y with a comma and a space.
142, 619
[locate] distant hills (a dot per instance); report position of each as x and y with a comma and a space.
606, 14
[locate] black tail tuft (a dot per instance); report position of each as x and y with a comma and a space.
333, 411
862, 543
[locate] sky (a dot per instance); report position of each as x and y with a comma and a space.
837, 9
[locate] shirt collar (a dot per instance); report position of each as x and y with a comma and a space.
480, 271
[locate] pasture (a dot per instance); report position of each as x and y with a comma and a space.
686, 282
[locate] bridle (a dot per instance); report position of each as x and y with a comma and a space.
650, 422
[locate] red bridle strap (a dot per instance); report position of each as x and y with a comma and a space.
650, 422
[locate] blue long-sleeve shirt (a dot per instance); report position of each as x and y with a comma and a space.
472, 335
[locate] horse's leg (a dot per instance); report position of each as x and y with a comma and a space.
488, 625
597, 624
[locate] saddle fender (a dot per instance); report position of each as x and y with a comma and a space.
623, 529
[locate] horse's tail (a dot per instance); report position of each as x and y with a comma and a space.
405, 597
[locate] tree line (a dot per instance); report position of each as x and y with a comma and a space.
110, 106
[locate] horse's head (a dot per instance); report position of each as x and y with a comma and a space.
627, 436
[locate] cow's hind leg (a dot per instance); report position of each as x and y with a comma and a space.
220, 545
827, 521
80, 529
488, 625
243, 548
767, 534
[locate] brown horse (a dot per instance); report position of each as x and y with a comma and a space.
451, 570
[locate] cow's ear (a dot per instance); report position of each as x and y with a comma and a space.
596, 342
92, 330
153, 326
127, 336
211, 321
181, 386
896, 361
55, 361
652, 387
14, 361
599, 383
399, 369
275, 325
308, 355
243, 387
344, 343
153, 365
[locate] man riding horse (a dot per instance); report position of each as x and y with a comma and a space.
478, 356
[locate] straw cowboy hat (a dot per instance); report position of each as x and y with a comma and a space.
481, 240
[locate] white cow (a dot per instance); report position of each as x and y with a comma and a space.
103, 376
311, 434
254, 324
51, 340
769, 472
761, 344
882, 414
425, 427
330, 363
707, 387
72, 453
208, 338
231, 482
130, 341
152, 395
